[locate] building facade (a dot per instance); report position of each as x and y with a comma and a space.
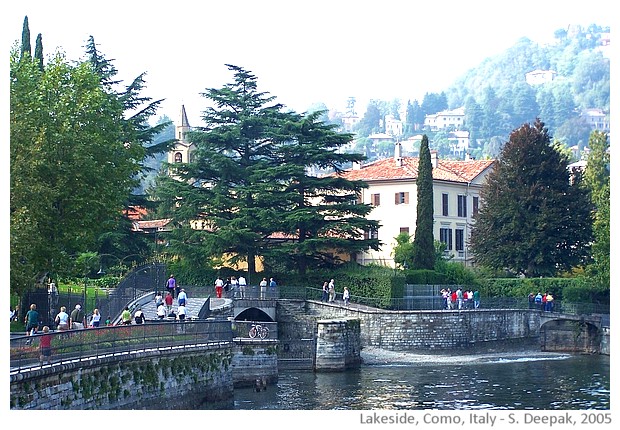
392, 191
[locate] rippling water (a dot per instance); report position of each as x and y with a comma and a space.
549, 382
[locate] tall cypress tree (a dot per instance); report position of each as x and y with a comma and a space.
423, 242
535, 220
26, 48
38, 51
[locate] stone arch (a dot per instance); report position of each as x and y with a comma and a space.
566, 335
253, 314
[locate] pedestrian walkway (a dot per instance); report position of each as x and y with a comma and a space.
193, 306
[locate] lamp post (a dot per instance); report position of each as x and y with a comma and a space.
120, 261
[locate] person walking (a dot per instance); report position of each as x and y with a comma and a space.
325, 292
77, 321
46, 346
219, 286
272, 288
346, 296
476, 299
459, 298
331, 287
161, 311
234, 287
168, 300
538, 300
182, 297
263, 288
158, 299
95, 319
242, 285
126, 316
62, 319
171, 284
32, 320
181, 311
139, 317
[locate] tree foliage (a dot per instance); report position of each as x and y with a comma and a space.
535, 220
248, 183
75, 157
423, 242
597, 177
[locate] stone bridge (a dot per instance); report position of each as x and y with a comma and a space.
564, 332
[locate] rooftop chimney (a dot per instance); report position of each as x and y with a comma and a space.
434, 159
398, 154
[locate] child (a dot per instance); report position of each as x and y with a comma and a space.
46, 346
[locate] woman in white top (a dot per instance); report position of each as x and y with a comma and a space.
161, 311
181, 311
95, 319
62, 319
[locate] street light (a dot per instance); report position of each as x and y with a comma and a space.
102, 271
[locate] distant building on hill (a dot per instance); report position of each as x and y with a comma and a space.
446, 119
538, 77
596, 119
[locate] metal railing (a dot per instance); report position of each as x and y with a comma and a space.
78, 345
437, 303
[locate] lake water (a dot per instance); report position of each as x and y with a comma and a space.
518, 381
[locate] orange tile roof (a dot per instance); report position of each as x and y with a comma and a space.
446, 170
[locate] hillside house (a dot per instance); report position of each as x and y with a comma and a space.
447, 119
596, 119
392, 191
538, 77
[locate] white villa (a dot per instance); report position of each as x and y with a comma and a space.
392, 191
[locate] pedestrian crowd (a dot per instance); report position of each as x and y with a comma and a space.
459, 299
238, 288
543, 302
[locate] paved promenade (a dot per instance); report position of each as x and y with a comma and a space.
192, 307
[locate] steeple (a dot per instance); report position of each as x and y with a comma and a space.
181, 130
182, 150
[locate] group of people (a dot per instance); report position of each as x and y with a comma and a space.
459, 299
329, 293
164, 305
64, 321
237, 287
544, 302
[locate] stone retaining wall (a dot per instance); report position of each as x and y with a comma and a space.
438, 330
148, 380
338, 345
254, 359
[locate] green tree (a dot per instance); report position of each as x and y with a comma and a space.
38, 51
319, 213
423, 242
534, 220
71, 168
137, 132
597, 177
229, 187
26, 49
248, 180
371, 121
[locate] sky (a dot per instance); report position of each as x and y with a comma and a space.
302, 53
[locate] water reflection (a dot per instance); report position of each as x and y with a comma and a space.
554, 382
